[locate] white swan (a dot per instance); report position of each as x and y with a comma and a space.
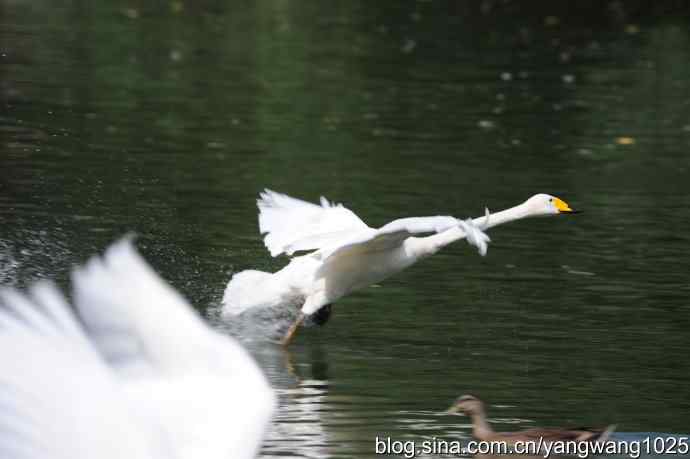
141, 376
348, 254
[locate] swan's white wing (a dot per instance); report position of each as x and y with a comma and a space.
139, 323
58, 398
389, 236
203, 387
291, 224
394, 233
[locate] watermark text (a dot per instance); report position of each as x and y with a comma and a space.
538, 447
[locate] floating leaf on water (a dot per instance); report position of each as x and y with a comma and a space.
552, 21
632, 29
625, 140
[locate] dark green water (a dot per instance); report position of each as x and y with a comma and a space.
168, 119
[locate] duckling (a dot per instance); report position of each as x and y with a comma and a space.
481, 430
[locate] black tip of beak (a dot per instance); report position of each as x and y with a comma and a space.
575, 212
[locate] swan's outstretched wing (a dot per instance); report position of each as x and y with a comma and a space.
203, 387
139, 323
394, 233
291, 224
58, 398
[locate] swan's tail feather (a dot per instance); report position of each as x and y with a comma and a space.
241, 289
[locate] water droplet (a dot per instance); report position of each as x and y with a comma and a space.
131, 13
409, 46
552, 21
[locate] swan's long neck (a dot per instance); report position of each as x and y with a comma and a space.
514, 213
425, 246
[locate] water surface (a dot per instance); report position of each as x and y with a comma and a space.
168, 121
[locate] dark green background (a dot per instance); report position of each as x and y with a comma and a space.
167, 119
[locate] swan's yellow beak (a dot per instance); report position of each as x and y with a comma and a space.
563, 207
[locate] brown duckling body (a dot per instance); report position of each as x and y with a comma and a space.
481, 430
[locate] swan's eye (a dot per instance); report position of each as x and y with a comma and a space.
550, 199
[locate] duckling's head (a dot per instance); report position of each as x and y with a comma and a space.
467, 404
544, 204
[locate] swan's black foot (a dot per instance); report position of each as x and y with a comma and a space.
320, 317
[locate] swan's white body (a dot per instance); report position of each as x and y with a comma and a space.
141, 376
348, 254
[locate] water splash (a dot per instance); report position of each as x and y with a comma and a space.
258, 324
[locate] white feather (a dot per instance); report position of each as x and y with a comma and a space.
291, 224
388, 236
59, 399
145, 377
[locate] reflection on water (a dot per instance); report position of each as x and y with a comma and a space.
167, 120
300, 427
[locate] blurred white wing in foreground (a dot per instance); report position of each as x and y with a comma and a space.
142, 377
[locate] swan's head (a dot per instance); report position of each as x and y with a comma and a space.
466, 404
545, 204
